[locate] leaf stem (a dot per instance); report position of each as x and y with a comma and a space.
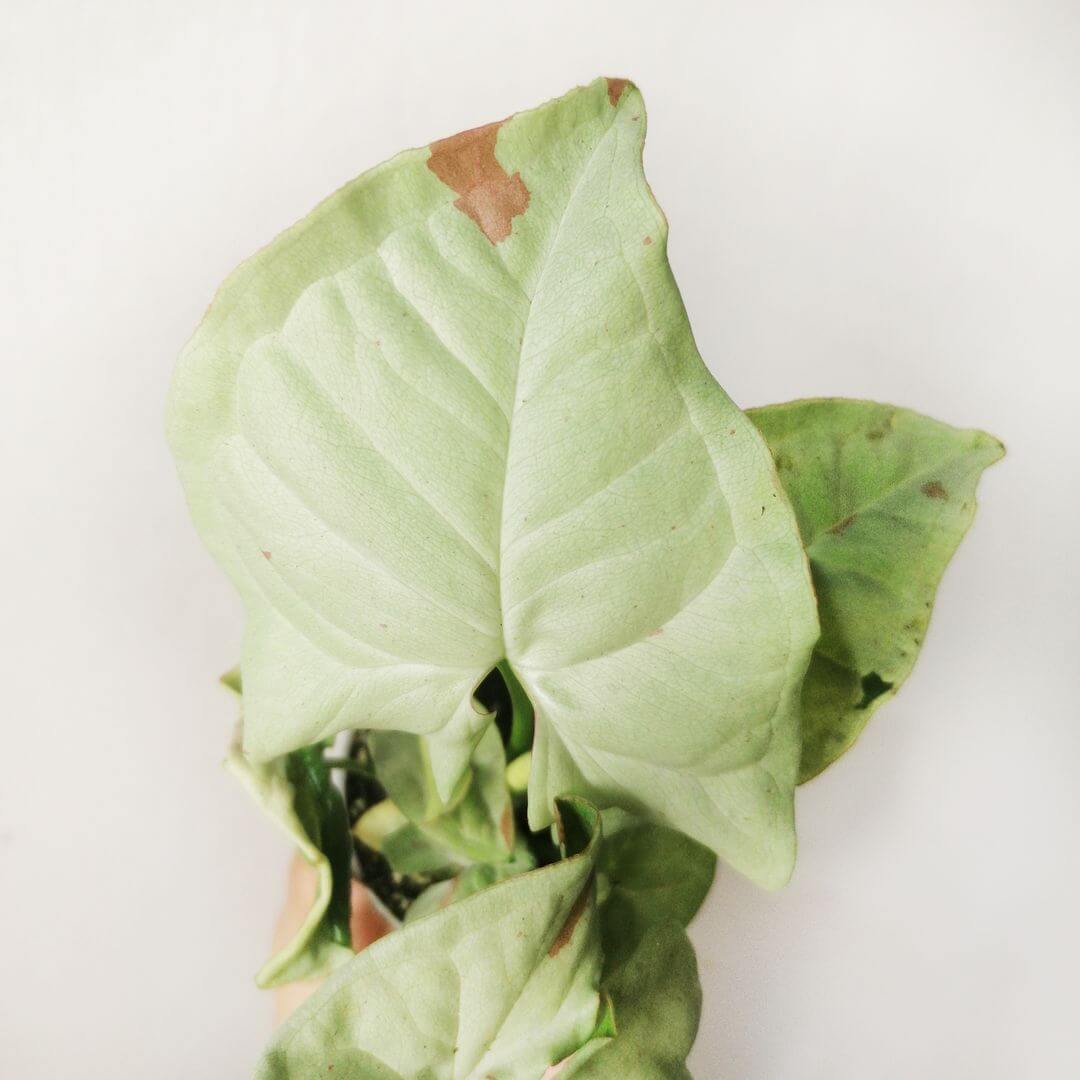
521, 725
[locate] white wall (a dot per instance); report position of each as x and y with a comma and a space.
873, 200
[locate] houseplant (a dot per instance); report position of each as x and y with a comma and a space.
540, 623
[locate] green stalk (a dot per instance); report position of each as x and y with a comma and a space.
521, 724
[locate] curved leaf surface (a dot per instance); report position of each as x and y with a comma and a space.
883, 497
656, 999
295, 791
501, 984
649, 874
478, 825
456, 416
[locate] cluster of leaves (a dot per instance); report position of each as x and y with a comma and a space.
453, 424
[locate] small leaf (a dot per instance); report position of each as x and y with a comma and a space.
232, 680
652, 875
297, 793
502, 984
478, 825
456, 417
883, 497
470, 880
656, 999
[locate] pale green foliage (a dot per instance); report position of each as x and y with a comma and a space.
322, 942
477, 825
883, 497
502, 984
457, 415
455, 420
470, 880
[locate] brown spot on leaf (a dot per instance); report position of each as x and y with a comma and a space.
560, 825
647, 241
506, 827
466, 163
562, 938
657, 632
615, 88
266, 555
841, 527
933, 489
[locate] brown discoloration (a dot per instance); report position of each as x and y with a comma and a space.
647, 241
506, 827
841, 527
615, 88
657, 632
266, 555
560, 825
933, 489
562, 939
467, 164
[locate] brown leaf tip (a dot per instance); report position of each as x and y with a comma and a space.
562, 939
466, 163
934, 490
615, 88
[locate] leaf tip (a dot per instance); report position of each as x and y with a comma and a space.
491, 197
616, 87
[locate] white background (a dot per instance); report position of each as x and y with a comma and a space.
868, 199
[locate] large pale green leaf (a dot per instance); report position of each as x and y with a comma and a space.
883, 497
457, 416
500, 985
656, 999
296, 792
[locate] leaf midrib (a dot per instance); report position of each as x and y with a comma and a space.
546, 266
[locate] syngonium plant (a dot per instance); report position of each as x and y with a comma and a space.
574, 624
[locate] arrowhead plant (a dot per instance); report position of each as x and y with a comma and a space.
539, 622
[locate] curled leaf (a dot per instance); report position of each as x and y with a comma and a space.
502, 984
478, 824
296, 792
